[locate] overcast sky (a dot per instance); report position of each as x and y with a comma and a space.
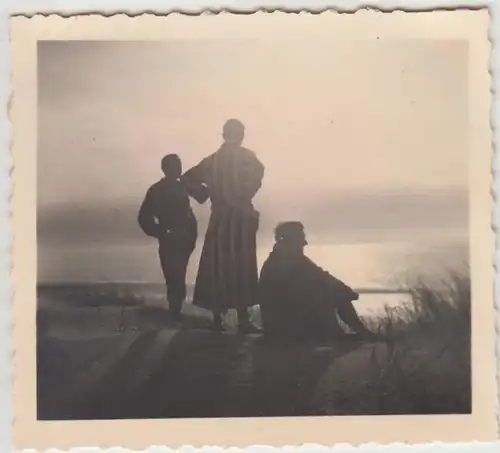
362, 141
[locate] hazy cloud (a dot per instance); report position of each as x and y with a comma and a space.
373, 217
361, 140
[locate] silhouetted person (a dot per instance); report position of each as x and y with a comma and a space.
228, 275
166, 214
298, 299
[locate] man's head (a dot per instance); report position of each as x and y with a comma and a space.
291, 235
233, 131
171, 166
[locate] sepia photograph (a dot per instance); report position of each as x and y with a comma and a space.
212, 244
236, 226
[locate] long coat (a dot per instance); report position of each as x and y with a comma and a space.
227, 274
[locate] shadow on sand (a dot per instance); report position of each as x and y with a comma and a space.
167, 373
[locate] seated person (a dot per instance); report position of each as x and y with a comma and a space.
298, 299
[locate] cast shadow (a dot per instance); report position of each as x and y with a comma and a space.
203, 374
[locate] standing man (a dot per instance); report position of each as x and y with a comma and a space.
166, 215
228, 275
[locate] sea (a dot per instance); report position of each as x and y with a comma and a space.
378, 271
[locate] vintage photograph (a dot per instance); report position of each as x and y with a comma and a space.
224, 231
238, 226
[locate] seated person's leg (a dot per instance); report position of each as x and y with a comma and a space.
326, 324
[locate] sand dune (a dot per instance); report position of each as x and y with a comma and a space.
108, 355
100, 363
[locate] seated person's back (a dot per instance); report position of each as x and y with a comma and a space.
298, 299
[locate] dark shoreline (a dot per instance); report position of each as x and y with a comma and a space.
70, 285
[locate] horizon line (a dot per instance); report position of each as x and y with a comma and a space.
362, 290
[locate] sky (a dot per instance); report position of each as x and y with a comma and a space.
363, 141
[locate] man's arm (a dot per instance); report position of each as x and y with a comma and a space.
146, 218
258, 176
194, 181
345, 289
332, 281
253, 173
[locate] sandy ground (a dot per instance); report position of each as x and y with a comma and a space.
112, 363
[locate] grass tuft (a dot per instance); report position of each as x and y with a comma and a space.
426, 365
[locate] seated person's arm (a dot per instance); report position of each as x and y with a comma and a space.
342, 287
328, 279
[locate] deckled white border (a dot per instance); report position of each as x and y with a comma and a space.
67, 7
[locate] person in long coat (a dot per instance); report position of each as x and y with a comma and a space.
166, 215
228, 274
298, 299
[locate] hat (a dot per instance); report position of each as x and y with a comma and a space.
289, 230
